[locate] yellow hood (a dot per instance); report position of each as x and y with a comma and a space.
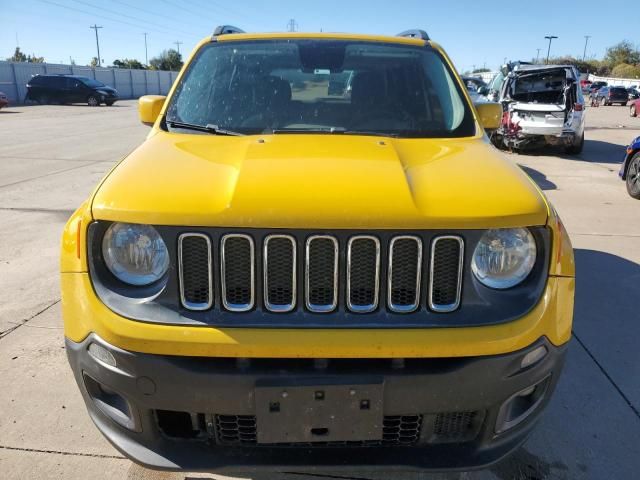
318, 181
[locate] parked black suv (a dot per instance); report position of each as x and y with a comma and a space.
611, 95
70, 89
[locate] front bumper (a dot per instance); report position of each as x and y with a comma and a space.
457, 401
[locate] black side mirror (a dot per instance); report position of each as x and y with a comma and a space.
484, 90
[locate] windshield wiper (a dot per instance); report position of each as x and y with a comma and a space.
209, 128
327, 130
334, 131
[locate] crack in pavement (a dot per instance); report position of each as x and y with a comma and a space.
320, 475
58, 452
50, 174
57, 211
608, 377
5, 333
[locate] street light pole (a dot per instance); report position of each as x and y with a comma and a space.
549, 37
586, 41
96, 27
146, 55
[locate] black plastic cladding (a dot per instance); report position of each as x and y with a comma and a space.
480, 305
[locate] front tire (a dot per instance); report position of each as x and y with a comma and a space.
109, 104
633, 176
93, 101
632, 111
575, 148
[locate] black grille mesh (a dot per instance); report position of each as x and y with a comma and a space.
321, 273
236, 429
239, 430
195, 268
363, 273
454, 426
279, 272
404, 274
446, 260
238, 279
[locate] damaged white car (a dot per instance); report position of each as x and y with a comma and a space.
543, 105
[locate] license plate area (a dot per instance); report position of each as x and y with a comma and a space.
320, 412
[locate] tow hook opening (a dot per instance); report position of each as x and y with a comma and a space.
110, 403
521, 405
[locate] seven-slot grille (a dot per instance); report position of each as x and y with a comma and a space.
321, 272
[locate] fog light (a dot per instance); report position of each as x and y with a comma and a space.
534, 356
102, 354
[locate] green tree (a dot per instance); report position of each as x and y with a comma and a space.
33, 59
167, 60
18, 56
481, 70
94, 62
129, 63
623, 52
624, 70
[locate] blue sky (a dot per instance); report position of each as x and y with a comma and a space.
472, 32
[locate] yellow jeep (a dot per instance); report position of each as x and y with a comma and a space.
316, 260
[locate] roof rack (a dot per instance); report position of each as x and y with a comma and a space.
415, 33
226, 29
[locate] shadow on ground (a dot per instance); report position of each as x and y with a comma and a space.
540, 178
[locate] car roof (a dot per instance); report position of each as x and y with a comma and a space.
230, 37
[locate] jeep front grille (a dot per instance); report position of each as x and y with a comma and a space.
363, 273
447, 254
280, 273
195, 269
321, 273
285, 272
405, 267
238, 272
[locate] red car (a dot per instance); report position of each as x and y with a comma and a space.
4, 100
634, 108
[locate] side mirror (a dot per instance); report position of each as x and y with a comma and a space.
149, 107
484, 90
489, 115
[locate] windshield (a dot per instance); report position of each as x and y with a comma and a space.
321, 86
90, 82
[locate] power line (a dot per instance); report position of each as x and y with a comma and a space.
549, 37
177, 44
113, 12
102, 16
147, 12
96, 27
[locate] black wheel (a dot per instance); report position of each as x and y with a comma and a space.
109, 103
633, 176
632, 111
603, 102
575, 148
93, 101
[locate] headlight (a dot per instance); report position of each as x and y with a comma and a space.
135, 254
504, 257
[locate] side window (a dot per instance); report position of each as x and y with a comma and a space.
57, 82
73, 83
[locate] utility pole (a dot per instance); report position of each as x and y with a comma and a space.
292, 25
96, 27
537, 55
177, 44
586, 41
146, 55
549, 37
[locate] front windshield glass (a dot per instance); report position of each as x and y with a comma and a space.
304, 85
90, 82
